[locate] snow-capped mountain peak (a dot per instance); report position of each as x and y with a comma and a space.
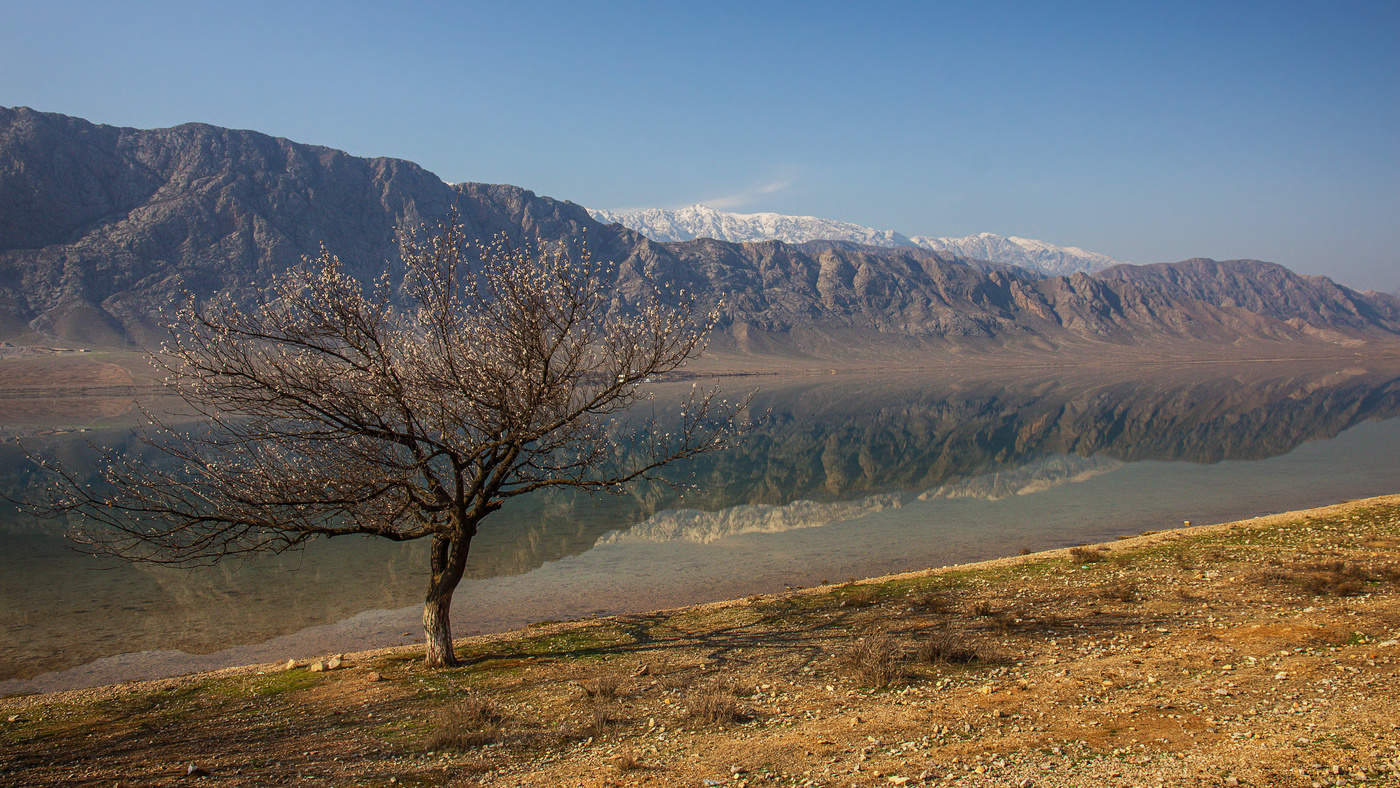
702, 221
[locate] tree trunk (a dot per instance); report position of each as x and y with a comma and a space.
437, 627
449, 558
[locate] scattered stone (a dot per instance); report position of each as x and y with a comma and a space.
317, 666
642, 670
194, 771
335, 662
374, 676
291, 665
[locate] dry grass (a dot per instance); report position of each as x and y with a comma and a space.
944, 648
628, 761
471, 722
605, 686
602, 717
1084, 555
860, 595
877, 661
1004, 621
931, 602
715, 706
1327, 578
1122, 591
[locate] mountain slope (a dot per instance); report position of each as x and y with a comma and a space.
103, 229
702, 221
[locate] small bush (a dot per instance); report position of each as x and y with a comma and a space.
983, 608
1004, 621
627, 761
604, 686
877, 661
1332, 584
1327, 578
471, 722
602, 716
1122, 591
674, 680
715, 706
1084, 555
943, 647
860, 596
931, 601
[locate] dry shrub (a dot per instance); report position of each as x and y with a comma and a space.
877, 661
604, 686
860, 596
675, 680
715, 706
602, 716
1004, 621
628, 761
1084, 555
1184, 559
1327, 578
983, 608
1122, 591
942, 647
931, 601
471, 722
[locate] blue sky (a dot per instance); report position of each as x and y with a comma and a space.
1145, 131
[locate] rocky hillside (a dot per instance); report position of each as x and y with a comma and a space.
103, 228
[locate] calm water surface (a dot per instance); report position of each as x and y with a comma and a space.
838, 478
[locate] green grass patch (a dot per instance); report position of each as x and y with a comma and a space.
267, 684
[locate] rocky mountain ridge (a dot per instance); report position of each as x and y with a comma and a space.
702, 221
103, 229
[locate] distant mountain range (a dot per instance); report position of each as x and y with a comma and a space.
104, 229
702, 221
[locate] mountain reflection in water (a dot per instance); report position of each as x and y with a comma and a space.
821, 451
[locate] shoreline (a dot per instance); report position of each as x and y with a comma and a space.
1145, 539
1260, 651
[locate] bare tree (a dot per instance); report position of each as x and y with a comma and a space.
336, 407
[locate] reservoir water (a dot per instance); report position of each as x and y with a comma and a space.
837, 477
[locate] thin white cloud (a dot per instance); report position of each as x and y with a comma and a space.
747, 196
